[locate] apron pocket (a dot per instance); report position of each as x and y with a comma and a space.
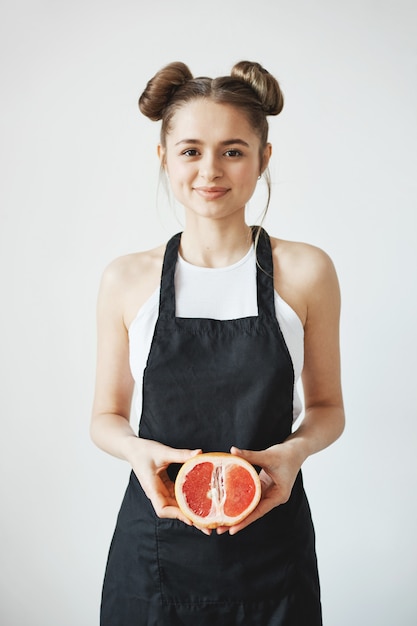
253, 565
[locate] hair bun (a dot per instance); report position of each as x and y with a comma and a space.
263, 83
161, 87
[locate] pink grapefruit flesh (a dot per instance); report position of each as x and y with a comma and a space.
217, 489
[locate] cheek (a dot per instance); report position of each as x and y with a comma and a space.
176, 171
249, 173
179, 179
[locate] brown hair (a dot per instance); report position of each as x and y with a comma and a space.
249, 87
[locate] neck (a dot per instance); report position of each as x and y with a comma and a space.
213, 244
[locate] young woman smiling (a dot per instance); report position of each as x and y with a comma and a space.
215, 328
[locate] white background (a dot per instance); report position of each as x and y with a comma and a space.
79, 178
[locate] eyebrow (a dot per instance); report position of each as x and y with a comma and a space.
228, 142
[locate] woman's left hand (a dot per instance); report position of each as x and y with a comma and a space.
280, 465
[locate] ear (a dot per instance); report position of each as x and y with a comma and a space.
265, 157
161, 155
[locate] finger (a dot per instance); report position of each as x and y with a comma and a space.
177, 455
260, 511
172, 512
166, 507
206, 531
252, 456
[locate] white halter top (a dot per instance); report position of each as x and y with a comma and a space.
217, 293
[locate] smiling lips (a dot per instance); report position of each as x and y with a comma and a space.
211, 193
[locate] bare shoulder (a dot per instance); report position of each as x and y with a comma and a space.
311, 262
303, 274
128, 281
130, 267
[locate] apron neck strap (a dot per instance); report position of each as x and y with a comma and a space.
264, 272
167, 293
264, 275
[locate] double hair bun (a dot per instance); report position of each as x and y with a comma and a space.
166, 85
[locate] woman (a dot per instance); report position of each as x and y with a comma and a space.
214, 329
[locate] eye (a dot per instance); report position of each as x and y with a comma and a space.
191, 152
233, 153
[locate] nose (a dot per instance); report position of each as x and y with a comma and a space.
210, 167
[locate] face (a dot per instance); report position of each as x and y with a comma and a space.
212, 158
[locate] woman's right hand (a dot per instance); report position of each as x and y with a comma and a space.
150, 460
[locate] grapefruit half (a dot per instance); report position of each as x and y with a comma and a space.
217, 489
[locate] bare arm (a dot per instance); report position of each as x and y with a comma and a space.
318, 302
324, 417
110, 427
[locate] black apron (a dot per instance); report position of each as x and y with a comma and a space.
212, 384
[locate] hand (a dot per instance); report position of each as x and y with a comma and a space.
280, 465
150, 460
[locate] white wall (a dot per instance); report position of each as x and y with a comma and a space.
79, 177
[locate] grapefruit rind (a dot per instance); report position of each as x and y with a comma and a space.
217, 489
